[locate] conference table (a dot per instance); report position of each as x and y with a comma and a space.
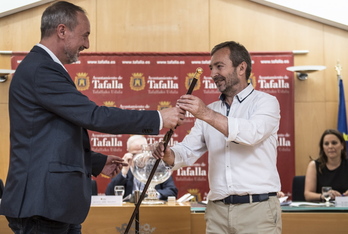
185, 218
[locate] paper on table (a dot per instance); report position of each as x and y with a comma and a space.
297, 204
106, 200
283, 199
185, 198
342, 201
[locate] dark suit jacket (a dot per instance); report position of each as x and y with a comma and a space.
167, 188
51, 161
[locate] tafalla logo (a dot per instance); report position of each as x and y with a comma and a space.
196, 193
82, 81
163, 105
189, 79
252, 80
109, 103
137, 81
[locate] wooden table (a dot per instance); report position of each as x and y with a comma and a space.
157, 218
164, 219
114, 219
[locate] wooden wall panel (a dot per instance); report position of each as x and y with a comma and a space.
311, 121
153, 26
20, 31
309, 127
335, 49
261, 28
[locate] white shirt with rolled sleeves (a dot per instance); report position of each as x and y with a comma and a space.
244, 162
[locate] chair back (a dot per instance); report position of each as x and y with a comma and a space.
298, 184
1, 188
94, 187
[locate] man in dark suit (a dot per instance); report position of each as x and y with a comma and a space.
48, 187
127, 179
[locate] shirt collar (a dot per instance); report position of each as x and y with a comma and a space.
242, 95
53, 56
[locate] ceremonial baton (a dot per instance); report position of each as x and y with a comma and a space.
166, 140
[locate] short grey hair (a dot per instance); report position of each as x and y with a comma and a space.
59, 13
134, 138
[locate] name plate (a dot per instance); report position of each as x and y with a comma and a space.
106, 201
341, 201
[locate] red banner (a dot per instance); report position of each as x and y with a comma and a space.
152, 81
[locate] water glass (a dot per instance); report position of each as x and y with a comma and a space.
119, 190
326, 193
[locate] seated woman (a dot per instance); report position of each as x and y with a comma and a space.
330, 169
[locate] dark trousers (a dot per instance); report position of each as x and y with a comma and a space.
41, 225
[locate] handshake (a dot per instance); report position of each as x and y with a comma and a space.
177, 114
172, 117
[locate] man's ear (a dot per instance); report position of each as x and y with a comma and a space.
61, 30
242, 67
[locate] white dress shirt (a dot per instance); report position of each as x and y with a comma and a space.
245, 161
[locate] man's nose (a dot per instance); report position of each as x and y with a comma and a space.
214, 72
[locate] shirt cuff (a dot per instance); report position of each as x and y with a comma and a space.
161, 121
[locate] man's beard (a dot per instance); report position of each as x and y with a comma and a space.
71, 56
230, 82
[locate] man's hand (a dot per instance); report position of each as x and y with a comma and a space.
166, 155
113, 166
198, 109
172, 117
194, 105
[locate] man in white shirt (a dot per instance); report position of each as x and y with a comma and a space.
240, 134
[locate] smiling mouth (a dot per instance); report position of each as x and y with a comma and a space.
218, 80
219, 83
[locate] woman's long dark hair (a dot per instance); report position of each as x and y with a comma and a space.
322, 156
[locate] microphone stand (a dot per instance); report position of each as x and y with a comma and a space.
166, 140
